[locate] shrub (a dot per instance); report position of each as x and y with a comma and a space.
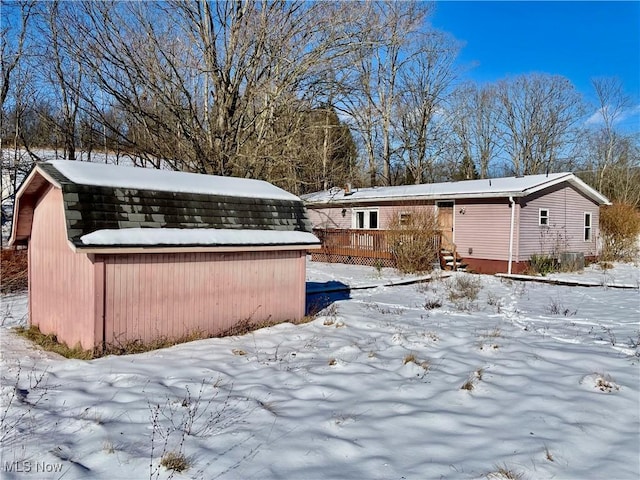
619, 228
412, 240
432, 304
410, 358
463, 291
13, 265
175, 461
542, 264
465, 287
504, 472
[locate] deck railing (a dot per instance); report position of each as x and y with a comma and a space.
355, 243
362, 243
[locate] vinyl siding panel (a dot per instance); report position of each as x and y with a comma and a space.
565, 232
329, 217
332, 217
484, 227
170, 295
61, 290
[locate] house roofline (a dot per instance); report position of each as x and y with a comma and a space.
569, 177
576, 182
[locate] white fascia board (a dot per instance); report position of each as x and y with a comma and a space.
579, 184
111, 250
547, 184
16, 200
434, 197
589, 191
576, 182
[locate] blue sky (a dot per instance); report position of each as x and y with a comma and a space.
579, 40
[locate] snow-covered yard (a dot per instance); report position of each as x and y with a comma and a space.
372, 388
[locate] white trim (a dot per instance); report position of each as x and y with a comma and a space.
426, 192
20, 192
189, 249
511, 227
576, 182
366, 220
584, 226
548, 216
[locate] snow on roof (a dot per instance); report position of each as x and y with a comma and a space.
196, 236
494, 187
103, 175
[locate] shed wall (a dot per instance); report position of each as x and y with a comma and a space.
170, 295
565, 232
61, 282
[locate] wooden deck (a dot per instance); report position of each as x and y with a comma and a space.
357, 246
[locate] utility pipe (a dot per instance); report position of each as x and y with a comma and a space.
513, 213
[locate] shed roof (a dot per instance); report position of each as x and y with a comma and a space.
485, 188
108, 205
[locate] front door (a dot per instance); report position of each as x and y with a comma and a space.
445, 223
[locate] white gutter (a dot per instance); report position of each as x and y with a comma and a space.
370, 196
335, 202
513, 213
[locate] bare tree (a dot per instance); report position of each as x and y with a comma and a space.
374, 91
612, 103
15, 96
203, 84
540, 116
62, 70
425, 83
474, 120
13, 37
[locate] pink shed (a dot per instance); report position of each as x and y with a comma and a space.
116, 256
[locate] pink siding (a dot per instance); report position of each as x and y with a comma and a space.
61, 284
484, 227
329, 217
151, 295
332, 217
566, 223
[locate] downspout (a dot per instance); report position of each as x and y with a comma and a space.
513, 214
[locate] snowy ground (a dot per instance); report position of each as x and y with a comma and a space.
552, 373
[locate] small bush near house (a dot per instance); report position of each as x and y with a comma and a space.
542, 264
412, 237
619, 228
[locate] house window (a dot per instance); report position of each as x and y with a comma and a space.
365, 219
543, 217
587, 226
404, 219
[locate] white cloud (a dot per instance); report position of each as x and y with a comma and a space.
596, 117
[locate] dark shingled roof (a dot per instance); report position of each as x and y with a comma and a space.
89, 208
